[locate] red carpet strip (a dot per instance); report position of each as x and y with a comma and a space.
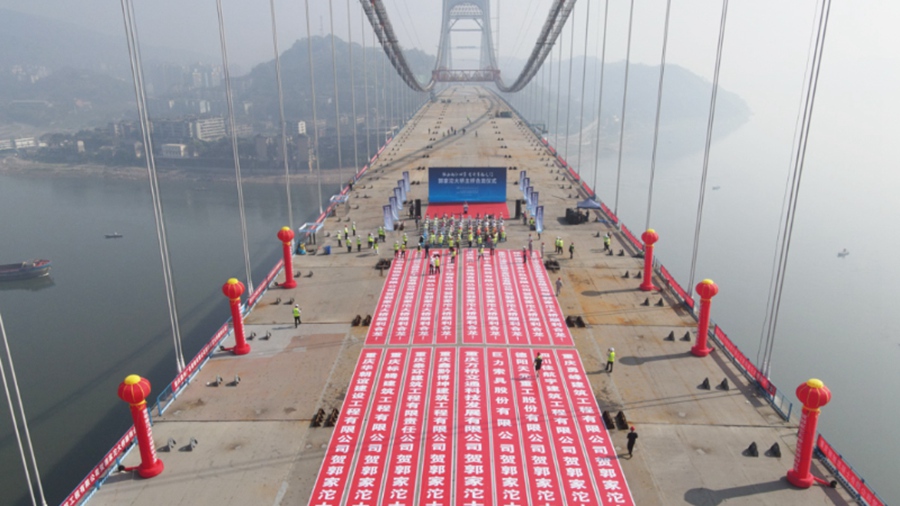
543, 479
604, 463
424, 321
474, 484
497, 209
365, 482
437, 462
381, 320
546, 293
403, 465
472, 308
332, 479
535, 325
570, 455
509, 461
494, 333
402, 328
446, 323
515, 327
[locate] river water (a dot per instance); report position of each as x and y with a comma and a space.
104, 316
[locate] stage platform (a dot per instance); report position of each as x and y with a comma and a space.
496, 209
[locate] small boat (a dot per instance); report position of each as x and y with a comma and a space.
844, 253
25, 270
114, 235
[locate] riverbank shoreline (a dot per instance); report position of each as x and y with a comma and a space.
14, 166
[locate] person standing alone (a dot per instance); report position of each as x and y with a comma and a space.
610, 360
558, 286
538, 362
296, 315
632, 438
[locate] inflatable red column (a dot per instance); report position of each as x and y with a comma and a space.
134, 390
707, 290
649, 237
286, 235
813, 394
233, 290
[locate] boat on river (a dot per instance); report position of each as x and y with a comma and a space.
114, 235
25, 270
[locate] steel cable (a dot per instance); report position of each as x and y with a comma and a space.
15, 423
337, 100
624, 101
600, 97
229, 100
353, 123
362, 31
284, 152
799, 164
135, 60
312, 86
659, 91
709, 130
569, 92
587, 22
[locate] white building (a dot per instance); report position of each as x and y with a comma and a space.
173, 151
25, 142
208, 129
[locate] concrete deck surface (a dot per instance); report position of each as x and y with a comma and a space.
255, 441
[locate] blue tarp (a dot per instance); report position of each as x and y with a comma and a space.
588, 204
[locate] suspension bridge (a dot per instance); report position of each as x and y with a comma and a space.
434, 398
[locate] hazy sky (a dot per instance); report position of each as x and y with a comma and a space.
766, 46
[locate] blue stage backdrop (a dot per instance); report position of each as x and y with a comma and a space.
466, 184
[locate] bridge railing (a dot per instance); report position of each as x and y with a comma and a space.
845, 473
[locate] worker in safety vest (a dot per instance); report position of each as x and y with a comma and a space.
381, 234
396, 249
607, 242
437, 264
371, 240
296, 315
358, 244
610, 359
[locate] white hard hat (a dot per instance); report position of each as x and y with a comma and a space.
612, 349
296, 305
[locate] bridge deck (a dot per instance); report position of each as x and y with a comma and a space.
256, 445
